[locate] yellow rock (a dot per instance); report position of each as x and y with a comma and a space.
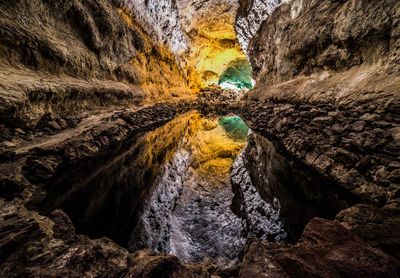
213, 151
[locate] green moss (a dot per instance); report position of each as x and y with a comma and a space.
234, 126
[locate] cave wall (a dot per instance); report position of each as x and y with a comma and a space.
103, 193
78, 56
250, 15
201, 34
301, 191
320, 36
327, 94
327, 104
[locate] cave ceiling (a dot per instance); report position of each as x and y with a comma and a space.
209, 26
200, 33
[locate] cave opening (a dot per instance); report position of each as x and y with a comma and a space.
236, 76
228, 69
195, 187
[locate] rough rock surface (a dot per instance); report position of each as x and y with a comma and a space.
295, 189
200, 33
326, 249
55, 170
76, 56
378, 226
97, 171
92, 163
250, 16
36, 246
260, 218
327, 96
75, 76
187, 211
306, 37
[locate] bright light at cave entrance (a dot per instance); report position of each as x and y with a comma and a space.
236, 76
227, 85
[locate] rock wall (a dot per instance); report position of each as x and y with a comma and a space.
298, 191
187, 211
318, 36
326, 249
160, 18
33, 245
260, 219
75, 76
250, 16
67, 58
200, 33
327, 95
91, 163
98, 172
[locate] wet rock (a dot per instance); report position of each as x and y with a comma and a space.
300, 191
149, 264
326, 249
33, 245
377, 226
257, 262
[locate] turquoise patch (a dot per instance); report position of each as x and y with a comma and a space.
237, 74
234, 126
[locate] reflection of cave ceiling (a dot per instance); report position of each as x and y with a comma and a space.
200, 33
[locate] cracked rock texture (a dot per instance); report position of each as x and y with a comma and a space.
85, 84
250, 16
67, 58
37, 246
325, 249
200, 33
328, 97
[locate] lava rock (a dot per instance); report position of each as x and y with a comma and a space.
326, 249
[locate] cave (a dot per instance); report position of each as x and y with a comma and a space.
193, 138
